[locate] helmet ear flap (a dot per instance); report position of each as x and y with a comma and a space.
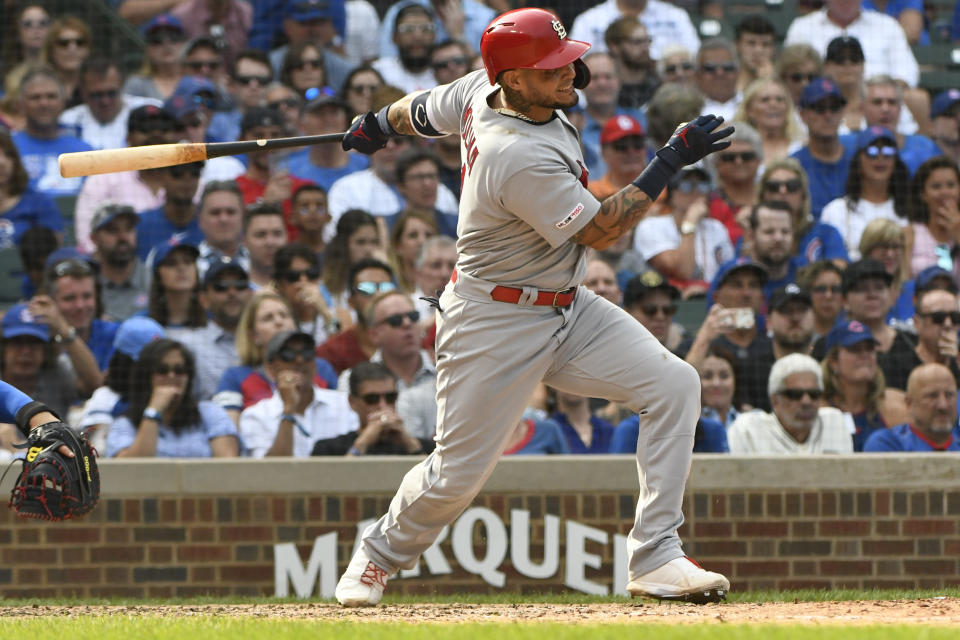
582, 71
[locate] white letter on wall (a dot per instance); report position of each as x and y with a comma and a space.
287, 568
520, 545
578, 558
496, 544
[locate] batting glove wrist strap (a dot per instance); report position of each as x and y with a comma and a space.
694, 141
26, 413
655, 177
369, 133
383, 120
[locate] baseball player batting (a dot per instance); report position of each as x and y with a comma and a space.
513, 313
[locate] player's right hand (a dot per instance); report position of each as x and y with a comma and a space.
693, 141
365, 135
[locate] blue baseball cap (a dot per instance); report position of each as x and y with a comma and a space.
847, 334
943, 102
188, 96
136, 333
742, 262
306, 10
221, 264
160, 252
820, 89
18, 321
925, 278
871, 134
162, 21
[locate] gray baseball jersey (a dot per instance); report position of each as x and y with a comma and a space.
524, 190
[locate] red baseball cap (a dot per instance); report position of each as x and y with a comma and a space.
620, 127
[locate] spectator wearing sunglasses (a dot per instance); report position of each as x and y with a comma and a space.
123, 278
736, 168
358, 89
223, 295
296, 276
220, 219
192, 104
382, 431
288, 102
353, 344
601, 104
826, 156
66, 47
250, 77
177, 217
319, 25
785, 181
229, 22
463, 20
406, 64
717, 73
822, 279
175, 286
652, 300
796, 67
393, 324
164, 418
883, 106
202, 58
161, 71
299, 413
41, 141
932, 406
885, 241
686, 245
667, 23
142, 190
854, 383
449, 60
767, 108
797, 424
937, 321
624, 150
676, 66
877, 187
101, 121
324, 164
24, 36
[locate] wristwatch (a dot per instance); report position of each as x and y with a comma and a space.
67, 339
151, 414
687, 228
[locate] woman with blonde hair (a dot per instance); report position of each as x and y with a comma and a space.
854, 383
785, 180
267, 313
768, 108
885, 241
66, 47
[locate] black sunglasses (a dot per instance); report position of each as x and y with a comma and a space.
199, 65
177, 369
248, 80
796, 394
733, 156
289, 354
832, 106
306, 64
673, 68
452, 62
689, 186
853, 58
66, 42
289, 103
939, 317
180, 170
625, 144
396, 320
776, 186
653, 309
221, 286
827, 288
805, 78
108, 94
374, 398
713, 67
294, 275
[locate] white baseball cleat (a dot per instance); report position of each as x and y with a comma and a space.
681, 579
362, 584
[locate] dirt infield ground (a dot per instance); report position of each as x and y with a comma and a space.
931, 611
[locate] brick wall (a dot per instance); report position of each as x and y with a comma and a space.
762, 534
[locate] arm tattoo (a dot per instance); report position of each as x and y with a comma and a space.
617, 216
399, 115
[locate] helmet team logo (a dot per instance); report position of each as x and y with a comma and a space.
559, 28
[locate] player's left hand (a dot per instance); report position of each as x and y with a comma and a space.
694, 141
365, 134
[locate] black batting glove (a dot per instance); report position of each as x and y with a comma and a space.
369, 133
693, 141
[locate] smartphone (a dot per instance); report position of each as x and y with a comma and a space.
737, 318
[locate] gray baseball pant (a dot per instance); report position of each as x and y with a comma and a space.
490, 357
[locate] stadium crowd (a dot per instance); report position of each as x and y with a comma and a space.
277, 304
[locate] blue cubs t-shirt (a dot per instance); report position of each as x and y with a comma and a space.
33, 210
39, 158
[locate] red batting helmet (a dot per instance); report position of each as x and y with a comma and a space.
527, 39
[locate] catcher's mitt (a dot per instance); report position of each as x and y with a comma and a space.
52, 486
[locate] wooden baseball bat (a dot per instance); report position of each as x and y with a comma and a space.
88, 163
